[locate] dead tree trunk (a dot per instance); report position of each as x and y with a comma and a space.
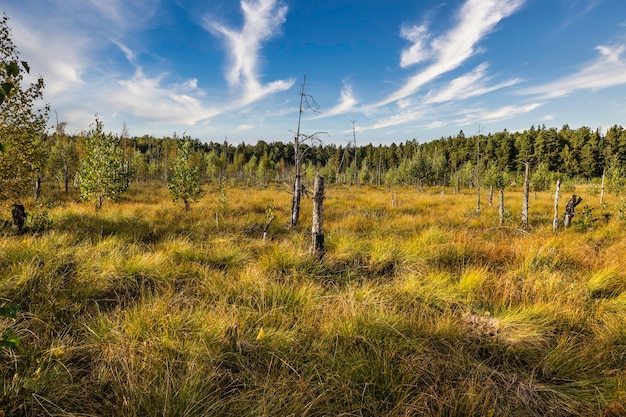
569, 210
295, 201
37, 188
491, 196
19, 215
317, 232
501, 207
602, 189
66, 178
555, 221
526, 193
477, 196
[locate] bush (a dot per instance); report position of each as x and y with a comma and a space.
38, 221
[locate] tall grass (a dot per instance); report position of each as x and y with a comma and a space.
424, 308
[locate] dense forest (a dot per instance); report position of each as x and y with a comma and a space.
571, 153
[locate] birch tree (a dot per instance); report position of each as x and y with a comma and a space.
22, 123
102, 172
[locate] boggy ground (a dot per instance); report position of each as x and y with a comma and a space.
424, 308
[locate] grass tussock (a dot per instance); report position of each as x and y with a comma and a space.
423, 309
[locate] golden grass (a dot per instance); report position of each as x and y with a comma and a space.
425, 308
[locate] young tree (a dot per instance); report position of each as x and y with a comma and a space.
63, 158
184, 178
102, 174
22, 125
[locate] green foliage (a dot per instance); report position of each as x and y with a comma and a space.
9, 340
495, 177
615, 178
585, 220
22, 125
38, 221
101, 175
184, 178
541, 179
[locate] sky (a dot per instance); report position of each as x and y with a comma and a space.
379, 71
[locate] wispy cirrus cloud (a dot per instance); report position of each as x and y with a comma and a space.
153, 99
263, 20
472, 84
494, 115
476, 19
419, 51
608, 70
346, 103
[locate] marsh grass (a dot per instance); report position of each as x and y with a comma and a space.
424, 308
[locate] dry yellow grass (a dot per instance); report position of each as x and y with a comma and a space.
424, 308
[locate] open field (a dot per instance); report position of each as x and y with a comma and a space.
425, 309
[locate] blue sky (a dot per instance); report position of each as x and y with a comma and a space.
400, 69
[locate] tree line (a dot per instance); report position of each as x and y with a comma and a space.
102, 165
572, 153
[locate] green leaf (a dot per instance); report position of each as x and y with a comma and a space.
26, 66
6, 88
14, 69
1, 144
10, 340
9, 310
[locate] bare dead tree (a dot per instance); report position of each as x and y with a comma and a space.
477, 170
317, 232
555, 220
526, 193
602, 189
501, 207
307, 102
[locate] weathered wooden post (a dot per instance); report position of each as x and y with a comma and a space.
569, 210
317, 232
555, 221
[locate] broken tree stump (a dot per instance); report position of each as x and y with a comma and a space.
569, 210
317, 232
19, 215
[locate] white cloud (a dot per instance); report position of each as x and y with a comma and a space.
346, 103
608, 70
62, 66
263, 20
153, 100
417, 52
469, 85
476, 19
244, 127
501, 113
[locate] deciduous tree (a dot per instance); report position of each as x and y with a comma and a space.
102, 172
184, 178
22, 124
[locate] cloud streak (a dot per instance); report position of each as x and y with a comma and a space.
346, 103
263, 20
476, 19
469, 85
608, 70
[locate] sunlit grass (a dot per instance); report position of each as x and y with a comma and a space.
424, 308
